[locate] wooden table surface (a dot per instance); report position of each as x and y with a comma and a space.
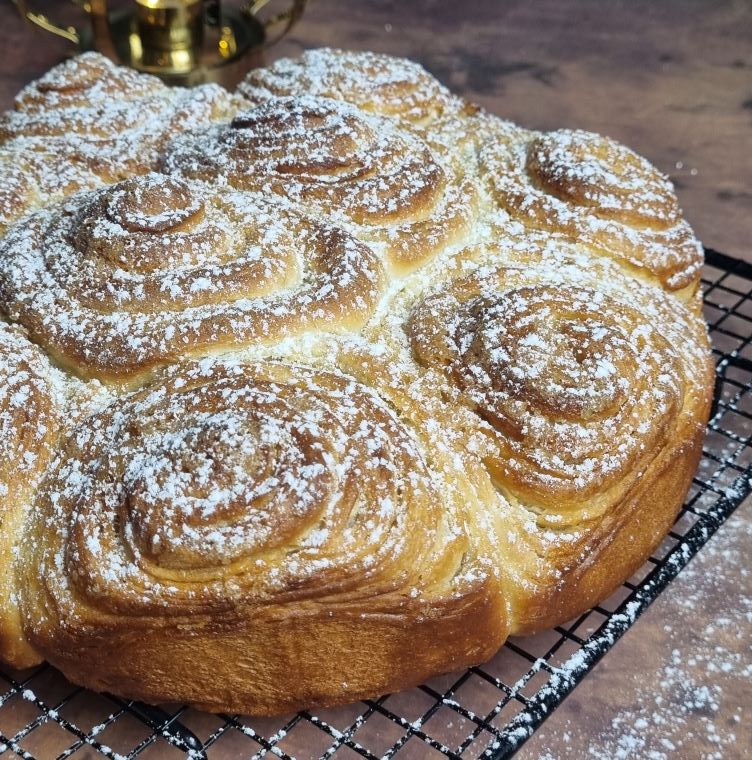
673, 80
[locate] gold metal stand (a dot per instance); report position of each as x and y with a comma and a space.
185, 42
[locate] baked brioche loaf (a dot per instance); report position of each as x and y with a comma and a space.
318, 390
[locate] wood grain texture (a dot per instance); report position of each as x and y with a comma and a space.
672, 80
677, 685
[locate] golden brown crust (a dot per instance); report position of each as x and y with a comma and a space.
88, 122
34, 175
110, 115
604, 555
30, 421
18, 192
587, 408
599, 193
376, 83
387, 185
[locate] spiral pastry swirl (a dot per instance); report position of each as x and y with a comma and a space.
397, 88
595, 190
141, 273
377, 83
109, 119
270, 475
356, 168
83, 81
29, 425
221, 495
578, 392
383, 375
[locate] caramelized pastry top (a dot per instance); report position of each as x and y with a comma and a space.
598, 192
358, 170
229, 484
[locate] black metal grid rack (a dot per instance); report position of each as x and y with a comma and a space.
484, 712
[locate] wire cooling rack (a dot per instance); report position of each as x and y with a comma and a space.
483, 712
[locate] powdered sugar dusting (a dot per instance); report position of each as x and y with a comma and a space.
35, 405
385, 185
96, 123
152, 268
691, 694
449, 342
578, 388
231, 482
598, 192
375, 82
27, 421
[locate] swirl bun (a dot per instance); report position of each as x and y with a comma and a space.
396, 88
586, 405
600, 193
578, 390
357, 169
244, 508
85, 81
117, 281
92, 122
376, 83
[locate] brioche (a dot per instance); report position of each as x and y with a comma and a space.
330, 386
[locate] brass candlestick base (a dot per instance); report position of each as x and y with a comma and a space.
185, 42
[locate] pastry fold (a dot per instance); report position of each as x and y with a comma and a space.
30, 423
589, 401
406, 196
88, 122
